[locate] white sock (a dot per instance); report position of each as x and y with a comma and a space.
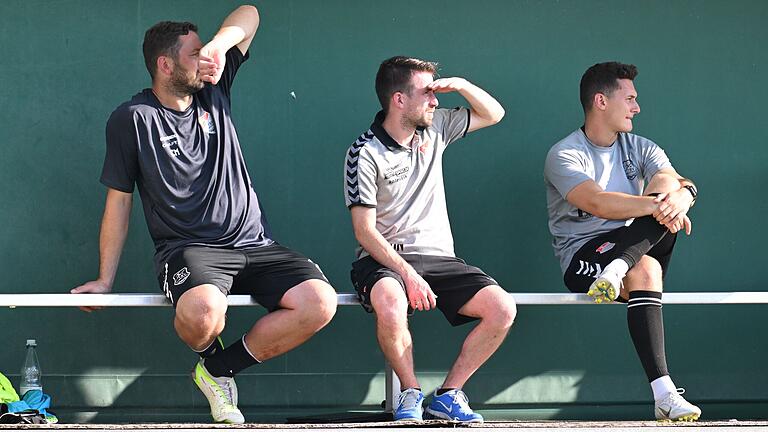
661, 386
617, 266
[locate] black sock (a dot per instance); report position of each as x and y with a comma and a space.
231, 360
646, 326
216, 346
443, 390
640, 237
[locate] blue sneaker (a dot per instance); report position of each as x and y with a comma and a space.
409, 405
453, 405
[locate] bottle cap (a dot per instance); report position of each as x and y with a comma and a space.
31, 342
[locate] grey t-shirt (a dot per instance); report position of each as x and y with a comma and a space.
188, 167
625, 167
405, 185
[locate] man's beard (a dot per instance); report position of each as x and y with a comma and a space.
414, 120
181, 85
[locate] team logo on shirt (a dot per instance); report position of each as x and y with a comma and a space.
630, 169
396, 173
171, 144
206, 122
423, 146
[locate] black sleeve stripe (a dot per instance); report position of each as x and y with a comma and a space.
351, 178
360, 204
469, 117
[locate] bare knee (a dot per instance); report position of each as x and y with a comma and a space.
314, 300
200, 314
646, 275
390, 303
502, 310
325, 304
494, 306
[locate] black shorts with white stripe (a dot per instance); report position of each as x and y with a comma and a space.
590, 260
266, 273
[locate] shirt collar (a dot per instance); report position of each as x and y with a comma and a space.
377, 128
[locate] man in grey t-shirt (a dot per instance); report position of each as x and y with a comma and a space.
394, 189
615, 204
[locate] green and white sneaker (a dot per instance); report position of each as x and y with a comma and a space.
221, 393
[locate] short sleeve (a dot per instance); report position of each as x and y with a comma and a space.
653, 158
234, 59
121, 166
452, 123
565, 170
359, 178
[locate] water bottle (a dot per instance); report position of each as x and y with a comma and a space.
30, 372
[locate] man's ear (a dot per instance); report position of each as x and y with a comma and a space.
599, 101
165, 65
398, 100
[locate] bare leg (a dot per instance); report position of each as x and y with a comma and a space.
644, 276
496, 310
200, 315
391, 306
306, 308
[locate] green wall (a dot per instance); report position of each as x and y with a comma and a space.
67, 64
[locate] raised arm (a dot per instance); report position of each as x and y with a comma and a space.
420, 295
484, 109
114, 229
238, 28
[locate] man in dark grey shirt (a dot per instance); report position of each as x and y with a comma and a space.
176, 142
394, 190
615, 205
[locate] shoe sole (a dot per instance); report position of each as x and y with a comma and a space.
438, 415
686, 418
409, 419
602, 291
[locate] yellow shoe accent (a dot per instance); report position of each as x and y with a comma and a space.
221, 394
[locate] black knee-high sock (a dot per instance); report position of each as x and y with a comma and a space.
231, 360
640, 237
646, 326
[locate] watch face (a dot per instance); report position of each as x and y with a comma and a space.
692, 190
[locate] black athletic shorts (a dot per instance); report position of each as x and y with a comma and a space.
266, 273
590, 260
452, 280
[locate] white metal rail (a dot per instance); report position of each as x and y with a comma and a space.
347, 299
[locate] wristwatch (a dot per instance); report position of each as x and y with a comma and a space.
693, 191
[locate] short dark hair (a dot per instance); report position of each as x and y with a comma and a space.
394, 75
603, 78
162, 39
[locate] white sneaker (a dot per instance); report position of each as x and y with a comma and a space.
606, 287
674, 407
221, 393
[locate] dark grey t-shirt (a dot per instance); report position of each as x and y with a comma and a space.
188, 167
